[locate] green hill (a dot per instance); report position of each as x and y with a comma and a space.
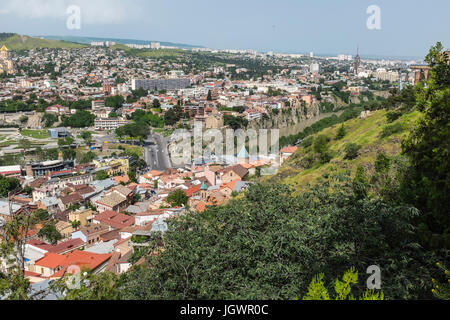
304, 168
17, 42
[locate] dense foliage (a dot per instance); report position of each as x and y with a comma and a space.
269, 245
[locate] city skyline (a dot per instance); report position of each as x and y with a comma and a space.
324, 27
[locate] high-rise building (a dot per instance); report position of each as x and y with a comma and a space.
314, 68
160, 84
311, 54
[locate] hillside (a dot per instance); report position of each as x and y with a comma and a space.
19, 42
88, 40
300, 170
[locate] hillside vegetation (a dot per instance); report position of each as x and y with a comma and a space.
303, 169
17, 42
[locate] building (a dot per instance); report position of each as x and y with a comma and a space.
58, 133
6, 64
57, 109
314, 68
357, 62
160, 84
115, 166
118, 199
98, 104
44, 168
286, 153
103, 124
383, 74
421, 72
11, 171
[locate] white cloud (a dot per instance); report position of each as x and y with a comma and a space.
93, 12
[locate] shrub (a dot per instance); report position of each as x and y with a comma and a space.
392, 129
351, 151
393, 116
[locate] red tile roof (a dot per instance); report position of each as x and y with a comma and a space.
191, 191
289, 150
82, 259
115, 220
51, 260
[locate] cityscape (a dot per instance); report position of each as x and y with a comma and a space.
153, 170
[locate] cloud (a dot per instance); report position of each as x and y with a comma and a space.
93, 12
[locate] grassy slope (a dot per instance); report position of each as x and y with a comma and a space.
18, 42
365, 132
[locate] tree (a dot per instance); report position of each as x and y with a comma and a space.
170, 118
351, 151
269, 244
86, 136
209, 97
92, 287
318, 291
49, 120
442, 290
83, 158
75, 224
426, 183
8, 185
23, 119
81, 119
25, 145
69, 154
132, 176
156, 103
66, 141
341, 133
41, 215
50, 233
177, 198
14, 233
101, 175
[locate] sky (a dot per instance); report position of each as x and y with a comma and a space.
408, 28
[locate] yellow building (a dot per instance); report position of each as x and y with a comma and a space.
6, 64
113, 166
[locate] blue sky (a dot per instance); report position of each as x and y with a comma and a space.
408, 27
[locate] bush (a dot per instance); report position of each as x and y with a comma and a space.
325, 157
393, 116
321, 144
341, 133
308, 142
392, 129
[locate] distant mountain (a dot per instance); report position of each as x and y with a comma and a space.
88, 40
17, 42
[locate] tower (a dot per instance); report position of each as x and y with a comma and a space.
4, 53
6, 64
357, 62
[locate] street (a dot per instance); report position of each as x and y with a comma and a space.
157, 156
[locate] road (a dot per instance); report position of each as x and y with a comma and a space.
157, 155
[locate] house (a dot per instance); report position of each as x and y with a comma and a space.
64, 228
91, 234
61, 248
84, 216
150, 177
54, 265
72, 199
117, 199
230, 174
114, 220
286, 153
